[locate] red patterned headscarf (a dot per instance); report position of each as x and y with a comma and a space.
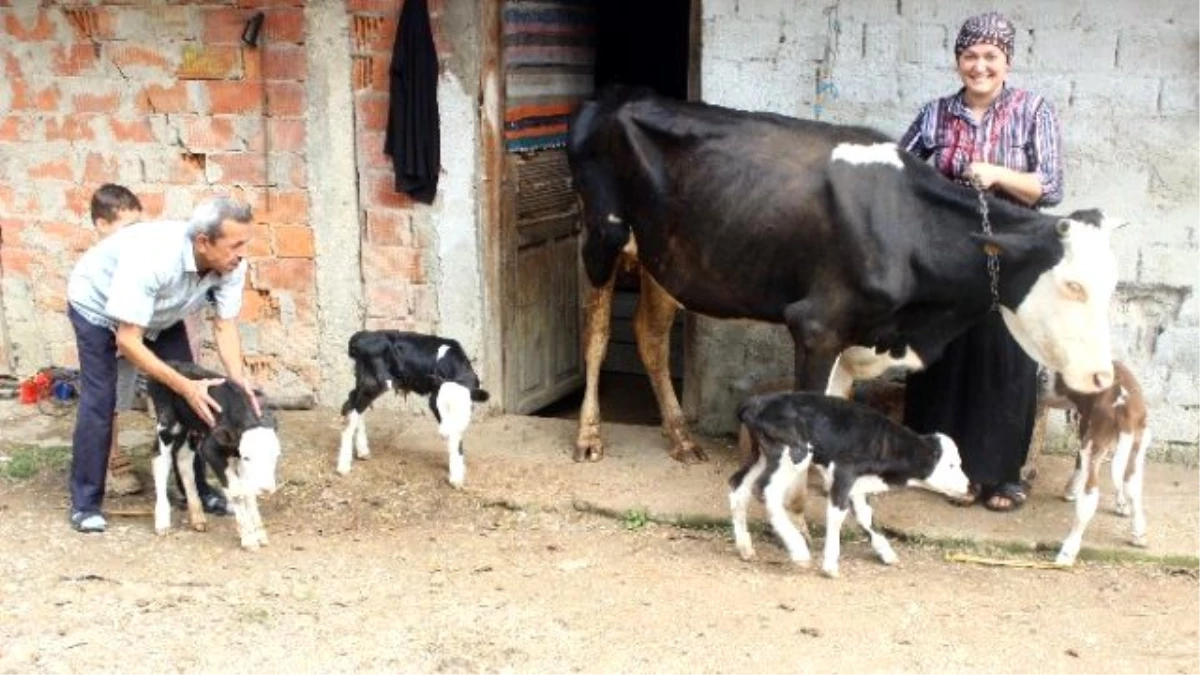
987, 28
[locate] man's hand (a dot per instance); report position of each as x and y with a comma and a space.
196, 395
248, 386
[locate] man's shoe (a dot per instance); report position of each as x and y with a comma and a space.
212, 503
215, 504
88, 521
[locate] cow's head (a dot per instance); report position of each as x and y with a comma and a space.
1062, 320
947, 476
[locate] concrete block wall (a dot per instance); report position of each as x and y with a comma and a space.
1123, 76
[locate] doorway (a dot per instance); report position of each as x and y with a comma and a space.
648, 44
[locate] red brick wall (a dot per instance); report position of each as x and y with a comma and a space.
397, 291
166, 100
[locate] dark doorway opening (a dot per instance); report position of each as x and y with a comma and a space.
648, 44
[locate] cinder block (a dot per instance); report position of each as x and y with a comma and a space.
1178, 348
1126, 94
1183, 388
1180, 95
926, 44
1072, 51
1159, 50
1176, 425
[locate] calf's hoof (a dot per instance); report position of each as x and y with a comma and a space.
746, 552
1064, 559
363, 454
688, 453
200, 525
1122, 509
456, 483
589, 451
830, 572
889, 557
1138, 540
343, 470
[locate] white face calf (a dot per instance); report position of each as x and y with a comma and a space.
1063, 321
947, 477
258, 452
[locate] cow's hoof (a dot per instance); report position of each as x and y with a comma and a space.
1064, 559
200, 526
688, 453
889, 557
343, 470
746, 552
830, 571
162, 530
365, 453
456, 483
250, 544
1139, 540
589, 452
1122, 509
804, 562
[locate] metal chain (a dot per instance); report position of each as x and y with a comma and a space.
993, 261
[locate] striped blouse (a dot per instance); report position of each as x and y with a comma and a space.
1019, 131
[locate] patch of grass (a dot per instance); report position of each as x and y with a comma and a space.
27, 461
636, 519
254, 615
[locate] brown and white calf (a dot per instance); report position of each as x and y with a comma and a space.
1112, 425
859, 452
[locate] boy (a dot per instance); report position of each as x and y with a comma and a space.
114, 207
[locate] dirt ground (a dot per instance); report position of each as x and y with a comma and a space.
389, 569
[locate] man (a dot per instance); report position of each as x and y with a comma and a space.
131, 292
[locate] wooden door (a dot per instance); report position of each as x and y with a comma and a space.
543, 322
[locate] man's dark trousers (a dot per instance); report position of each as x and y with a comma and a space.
90, 445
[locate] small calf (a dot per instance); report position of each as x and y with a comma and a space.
1112, 425
411, 362
859, 452
242, 449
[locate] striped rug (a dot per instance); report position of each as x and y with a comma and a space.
549, 59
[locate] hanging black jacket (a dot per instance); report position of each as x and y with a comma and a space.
413, 137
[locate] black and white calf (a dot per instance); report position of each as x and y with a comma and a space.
411, 362
242, 449
859, 452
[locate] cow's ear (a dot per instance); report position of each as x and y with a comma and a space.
1006, 244
224, 435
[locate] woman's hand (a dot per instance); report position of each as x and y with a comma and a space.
988, 175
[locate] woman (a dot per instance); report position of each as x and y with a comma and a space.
982, 392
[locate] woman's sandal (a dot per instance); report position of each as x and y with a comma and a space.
1006, 497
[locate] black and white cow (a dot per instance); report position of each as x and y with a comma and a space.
242, 448
858, 450
831, 230
409, 362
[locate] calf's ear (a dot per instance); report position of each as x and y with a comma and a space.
224, 435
